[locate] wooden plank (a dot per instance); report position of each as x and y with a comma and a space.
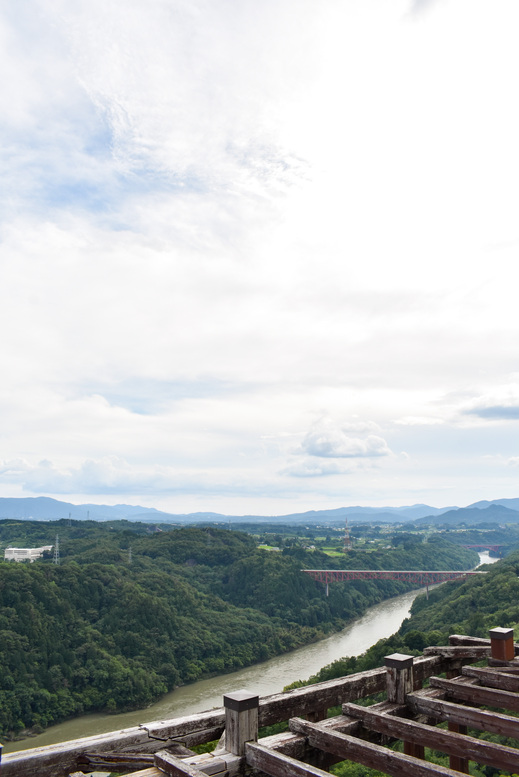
511, 668
374, 756
296, 746
114, 762
499, 756
513, 664
152, 772
121, 762
474, 653
173, 766
331, 693
475, 694
462, 639
279, 765
422, 703
493, 678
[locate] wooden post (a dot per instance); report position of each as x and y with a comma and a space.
399, 677
241, 720
502, 644
400, 682
456, 762
316, 715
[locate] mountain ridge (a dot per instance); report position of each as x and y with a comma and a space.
47, 508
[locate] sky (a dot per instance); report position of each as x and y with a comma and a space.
259, 257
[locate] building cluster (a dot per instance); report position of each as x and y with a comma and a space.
25, 554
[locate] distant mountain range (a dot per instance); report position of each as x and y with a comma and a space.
44, 508
494, 513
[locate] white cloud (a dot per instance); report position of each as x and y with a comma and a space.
500, 405
419, 421
330, 441
310, 468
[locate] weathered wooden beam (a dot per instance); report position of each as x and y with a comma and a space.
151, 772
173, 766
302, 701
475, 694
297, 747
471, 653
331, 693
278, 765
462, 639
114, 762
492, 678
511, 668
438, 739
425, 703
125, 761
366, 753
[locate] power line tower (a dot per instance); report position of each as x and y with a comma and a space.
56, 550
347, 538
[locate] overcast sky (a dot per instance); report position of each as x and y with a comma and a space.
259, 256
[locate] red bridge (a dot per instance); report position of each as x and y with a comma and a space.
495, 548
410, 576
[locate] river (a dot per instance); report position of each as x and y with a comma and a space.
265, 678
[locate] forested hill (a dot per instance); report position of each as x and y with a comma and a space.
128, 615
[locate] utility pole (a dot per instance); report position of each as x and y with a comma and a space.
347, 539
56, 550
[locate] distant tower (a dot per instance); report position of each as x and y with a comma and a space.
347, 540
56, 550
130, 555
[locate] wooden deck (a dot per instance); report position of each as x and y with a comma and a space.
458, 694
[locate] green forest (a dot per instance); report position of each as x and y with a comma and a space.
131, 612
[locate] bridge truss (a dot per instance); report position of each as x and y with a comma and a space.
495, 548
420, 577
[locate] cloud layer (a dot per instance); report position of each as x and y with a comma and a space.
259, 257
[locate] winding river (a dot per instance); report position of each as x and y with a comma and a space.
265, 678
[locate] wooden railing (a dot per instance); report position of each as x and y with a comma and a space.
314, 741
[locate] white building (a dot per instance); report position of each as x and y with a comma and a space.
25, 554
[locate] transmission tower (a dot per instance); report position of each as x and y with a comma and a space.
130, 555
347, 539
56, 550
